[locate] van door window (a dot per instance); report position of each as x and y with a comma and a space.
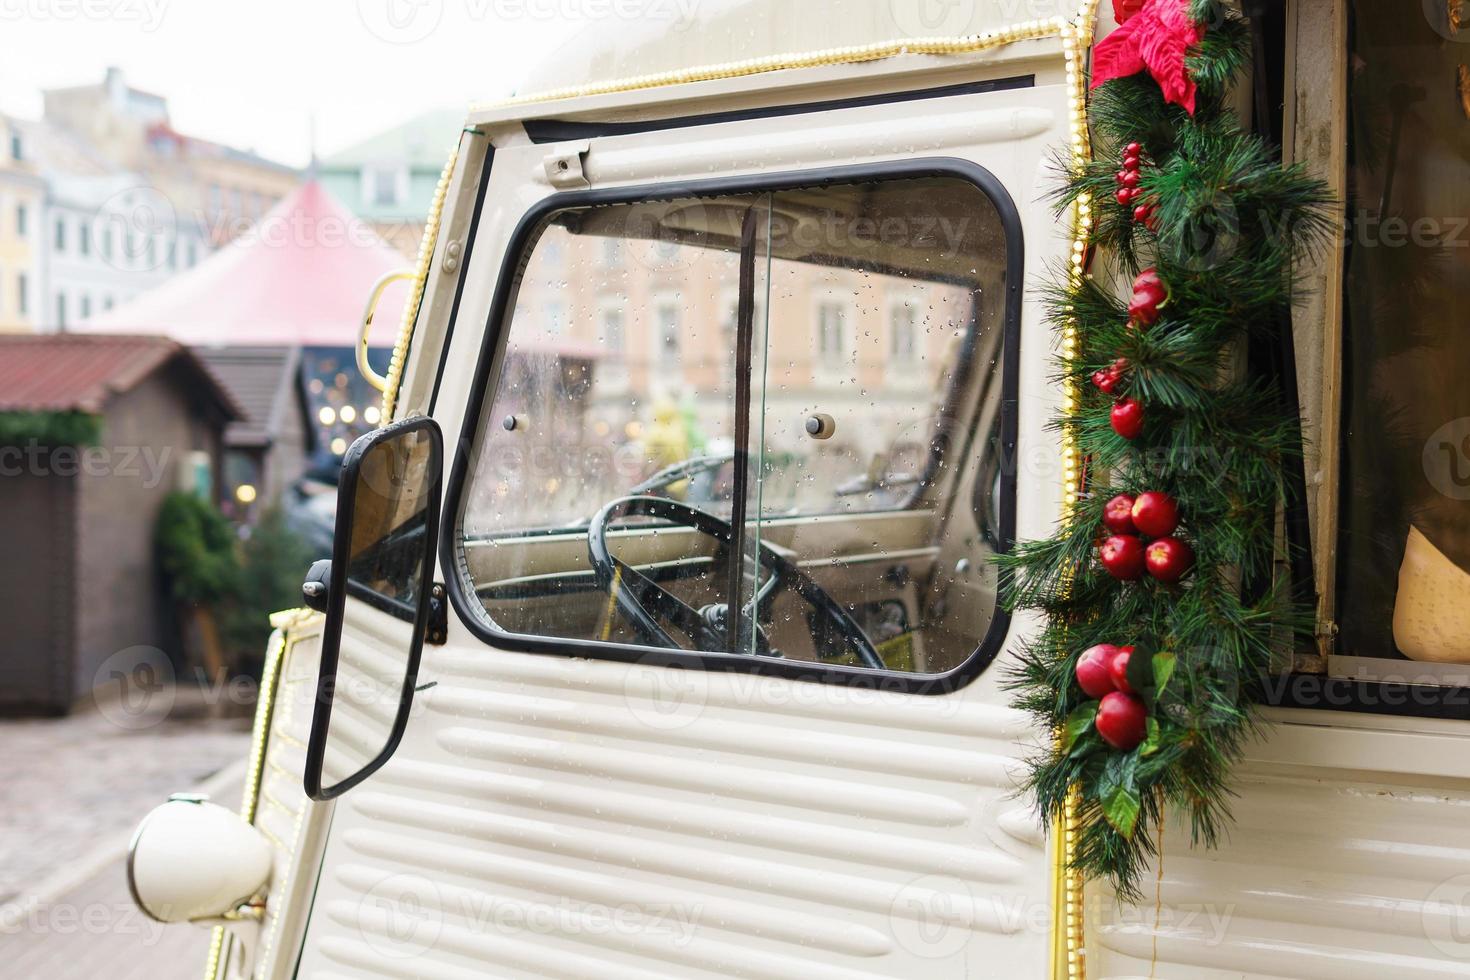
612, 458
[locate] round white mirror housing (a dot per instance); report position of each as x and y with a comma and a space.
191, 861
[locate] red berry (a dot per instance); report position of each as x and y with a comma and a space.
1169, 559
1118, 514
1127, 418
1124, 195
1155, 514
1142, 212
1131, 178
1118, 670
1122, 721
1094, 670
1149, 294
1133, 149
1119, 176
1130, 162
1122, 557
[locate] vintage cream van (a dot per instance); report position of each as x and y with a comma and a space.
662, 638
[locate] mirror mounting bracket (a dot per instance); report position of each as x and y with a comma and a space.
436, 628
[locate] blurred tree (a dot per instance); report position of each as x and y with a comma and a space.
273, 562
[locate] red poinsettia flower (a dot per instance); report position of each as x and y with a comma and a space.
1157, 36
1124, 9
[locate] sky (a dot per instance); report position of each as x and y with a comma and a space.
255, 73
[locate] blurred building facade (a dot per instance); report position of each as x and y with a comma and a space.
85, 583
389, 179
102, 199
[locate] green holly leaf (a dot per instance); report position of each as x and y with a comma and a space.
1164, 664
1151, 740
1077, 724
1120, 805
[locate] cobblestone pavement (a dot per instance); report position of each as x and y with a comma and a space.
75, 784
92, 929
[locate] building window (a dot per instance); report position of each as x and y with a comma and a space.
21, 220
831, 328
612, 253
612, 329
61, 234
668, 335
216, 198
17, 148
556, 319
193, 255
86, 306
60, 311
382, 185
22, 302
904, 332
106, 302
84, 240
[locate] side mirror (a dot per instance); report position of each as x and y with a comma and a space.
383, 559
193, 861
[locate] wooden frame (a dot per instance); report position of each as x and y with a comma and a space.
1315, 125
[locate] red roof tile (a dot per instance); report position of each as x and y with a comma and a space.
79, 372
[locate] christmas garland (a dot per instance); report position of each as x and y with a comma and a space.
1160, 599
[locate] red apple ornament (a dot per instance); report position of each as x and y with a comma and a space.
1118, 514
1127, 418
1169, 559
1149, 295
1094, 670
1155, 514
1118, 669
1121, 721
1122, 557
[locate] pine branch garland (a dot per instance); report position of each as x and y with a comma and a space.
1224, 226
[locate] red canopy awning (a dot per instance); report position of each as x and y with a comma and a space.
299, 277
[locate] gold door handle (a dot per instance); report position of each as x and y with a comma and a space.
364, 368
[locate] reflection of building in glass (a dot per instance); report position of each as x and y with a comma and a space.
639, 306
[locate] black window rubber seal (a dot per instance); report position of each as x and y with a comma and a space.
542, 131
505, 288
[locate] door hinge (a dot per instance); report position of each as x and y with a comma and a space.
436, 629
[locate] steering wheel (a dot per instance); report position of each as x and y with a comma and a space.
641, 599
